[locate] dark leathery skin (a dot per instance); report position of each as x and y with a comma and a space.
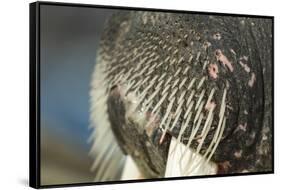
238, 55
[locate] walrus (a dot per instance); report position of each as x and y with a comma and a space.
191, 90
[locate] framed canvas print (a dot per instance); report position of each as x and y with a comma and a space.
121, 94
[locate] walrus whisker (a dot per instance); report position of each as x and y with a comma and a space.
193, 133
167, 58
186, 70
149, 100
175, 83
191, 83
159, 103
201, 82
194, 130
214, 139
198, 112
100, 156
165, 89
162, 77
167, 112
102, 165
159, 84
210, 97
205, 64
218, 140
190, 59
129, 86
198, 56
138, 85
177, 72
205, 130
177, 115
165, 130
182, 129
221, 118
180, 60
188, 109
182, 83
173, 93
200, 99
169, 80
164, 118
141, 97
190, 97
181, 96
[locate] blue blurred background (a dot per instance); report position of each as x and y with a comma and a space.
69, 41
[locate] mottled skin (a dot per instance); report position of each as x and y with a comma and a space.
235, 54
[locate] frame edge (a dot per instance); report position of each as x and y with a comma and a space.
34, 134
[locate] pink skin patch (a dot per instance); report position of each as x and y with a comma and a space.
223, 167
238, 154
210, 105
217, 36
233, 52
241, 127
252, 80
206, 45
213, 71
222, 58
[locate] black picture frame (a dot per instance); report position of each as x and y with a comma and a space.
34, 93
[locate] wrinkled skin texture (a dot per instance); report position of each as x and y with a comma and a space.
235, 54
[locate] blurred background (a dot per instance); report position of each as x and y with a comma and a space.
69, 41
